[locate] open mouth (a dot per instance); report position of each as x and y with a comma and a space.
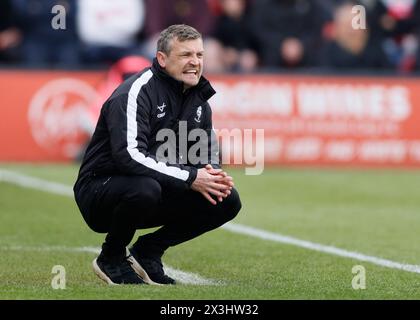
191, 72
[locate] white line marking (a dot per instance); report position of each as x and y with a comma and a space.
179, 275
35, 183
40, 184
257, 233
189, 277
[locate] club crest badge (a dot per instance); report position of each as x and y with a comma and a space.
198, 116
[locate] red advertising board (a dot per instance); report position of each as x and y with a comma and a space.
365, 121
368, 121
43, 114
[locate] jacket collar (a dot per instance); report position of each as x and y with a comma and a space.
204, 89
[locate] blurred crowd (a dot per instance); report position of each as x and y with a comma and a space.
240, 35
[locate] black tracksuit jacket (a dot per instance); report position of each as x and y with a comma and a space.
124, 141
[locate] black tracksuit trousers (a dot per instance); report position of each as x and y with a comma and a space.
119, 205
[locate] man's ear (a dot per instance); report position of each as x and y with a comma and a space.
161, 58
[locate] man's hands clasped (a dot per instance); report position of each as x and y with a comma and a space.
213, 182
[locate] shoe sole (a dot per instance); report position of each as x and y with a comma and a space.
139, 269
102, 275
141, 272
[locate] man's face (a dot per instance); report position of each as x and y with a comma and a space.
184, 62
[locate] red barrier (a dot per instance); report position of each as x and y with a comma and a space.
44, 114
306, 119
365, 121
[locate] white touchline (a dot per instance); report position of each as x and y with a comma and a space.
39, 184
35, 183
257, 233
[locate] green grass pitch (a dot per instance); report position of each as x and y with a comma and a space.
375, 212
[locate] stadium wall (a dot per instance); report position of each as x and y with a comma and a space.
312, 120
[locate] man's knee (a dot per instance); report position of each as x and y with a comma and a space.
231, 205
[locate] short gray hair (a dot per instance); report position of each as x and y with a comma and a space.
181, 32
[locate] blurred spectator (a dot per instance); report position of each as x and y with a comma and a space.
44, 46
10, 36
163, 13
289, 31
398, 21
396, 17
109, 29
350, 47
234, 38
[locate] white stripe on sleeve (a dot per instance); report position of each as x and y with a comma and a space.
132, 133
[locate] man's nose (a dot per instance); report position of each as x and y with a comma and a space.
194, 60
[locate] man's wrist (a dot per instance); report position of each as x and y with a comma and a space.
192, 176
